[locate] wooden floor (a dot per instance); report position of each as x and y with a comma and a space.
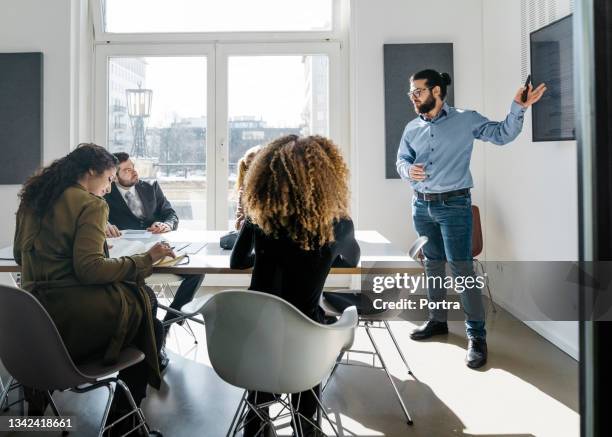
528, 388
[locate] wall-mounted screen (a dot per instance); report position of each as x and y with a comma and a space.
552, 63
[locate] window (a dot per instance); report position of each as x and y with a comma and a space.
153, 16
278, 95
166, 134
205, 104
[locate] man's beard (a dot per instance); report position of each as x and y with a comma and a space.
126, 182
426, 106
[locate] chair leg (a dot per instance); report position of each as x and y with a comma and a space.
384, 366
294, 420
111, 396
3, 394
186, 324
21, 400
332, 373
397, 346
11, 384
135, 408
56, 412
484, 273
265, 420
322, 408
238, 413
187, 327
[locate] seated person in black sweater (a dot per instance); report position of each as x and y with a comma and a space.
135, 204
297, 226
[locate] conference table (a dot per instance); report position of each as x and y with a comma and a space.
211, 258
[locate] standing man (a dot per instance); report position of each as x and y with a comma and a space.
135, 204
434, 155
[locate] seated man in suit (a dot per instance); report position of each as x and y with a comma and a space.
135, 204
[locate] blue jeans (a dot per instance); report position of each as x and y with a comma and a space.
448, 226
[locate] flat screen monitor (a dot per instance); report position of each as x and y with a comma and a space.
552, 63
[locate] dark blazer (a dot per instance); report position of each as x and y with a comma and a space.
155, 206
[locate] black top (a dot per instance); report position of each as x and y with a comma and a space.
284, 269
155, 206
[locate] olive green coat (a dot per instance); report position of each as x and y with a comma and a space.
96, 302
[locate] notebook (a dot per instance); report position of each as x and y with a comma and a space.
119, 247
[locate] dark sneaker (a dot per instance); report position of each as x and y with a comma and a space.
429, 329
477, 353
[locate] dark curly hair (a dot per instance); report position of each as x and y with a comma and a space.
42, 189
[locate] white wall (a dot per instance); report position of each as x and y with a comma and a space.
53, 28
385, 204
531, 195
39, 26
527, 191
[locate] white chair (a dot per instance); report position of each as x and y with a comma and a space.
415, 250
260, 342
377, 320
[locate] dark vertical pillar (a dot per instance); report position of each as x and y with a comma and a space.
593, 22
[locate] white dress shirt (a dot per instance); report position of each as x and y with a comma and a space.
136, 206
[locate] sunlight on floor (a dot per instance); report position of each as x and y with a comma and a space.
505, 399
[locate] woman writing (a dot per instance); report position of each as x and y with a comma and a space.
99, 305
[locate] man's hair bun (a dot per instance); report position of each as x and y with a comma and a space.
446, 78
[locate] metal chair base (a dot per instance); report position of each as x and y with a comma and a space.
111, 384
368, 325
288, 410
180, 316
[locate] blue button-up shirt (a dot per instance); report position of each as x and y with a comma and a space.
444, 145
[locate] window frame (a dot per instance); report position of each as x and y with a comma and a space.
101, 35
217, 55
336, 98
216, 46
101, 96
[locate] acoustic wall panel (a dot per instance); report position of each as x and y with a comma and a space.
21, 130
400, 62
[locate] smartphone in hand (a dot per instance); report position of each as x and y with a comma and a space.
526, 90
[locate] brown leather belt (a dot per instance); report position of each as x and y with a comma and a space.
439, 197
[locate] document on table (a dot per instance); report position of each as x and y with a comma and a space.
135, 234
6, 253
122, 246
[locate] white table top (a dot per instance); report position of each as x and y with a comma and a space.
213, 259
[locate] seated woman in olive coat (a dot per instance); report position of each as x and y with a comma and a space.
98, 304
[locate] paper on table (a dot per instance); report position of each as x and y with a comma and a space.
126, 247
119, 247
135, 234
6, 253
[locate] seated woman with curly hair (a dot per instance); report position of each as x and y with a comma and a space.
99, 304
297, 226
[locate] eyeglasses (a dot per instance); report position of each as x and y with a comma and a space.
416, 93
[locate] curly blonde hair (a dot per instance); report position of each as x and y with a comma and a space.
298, 187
